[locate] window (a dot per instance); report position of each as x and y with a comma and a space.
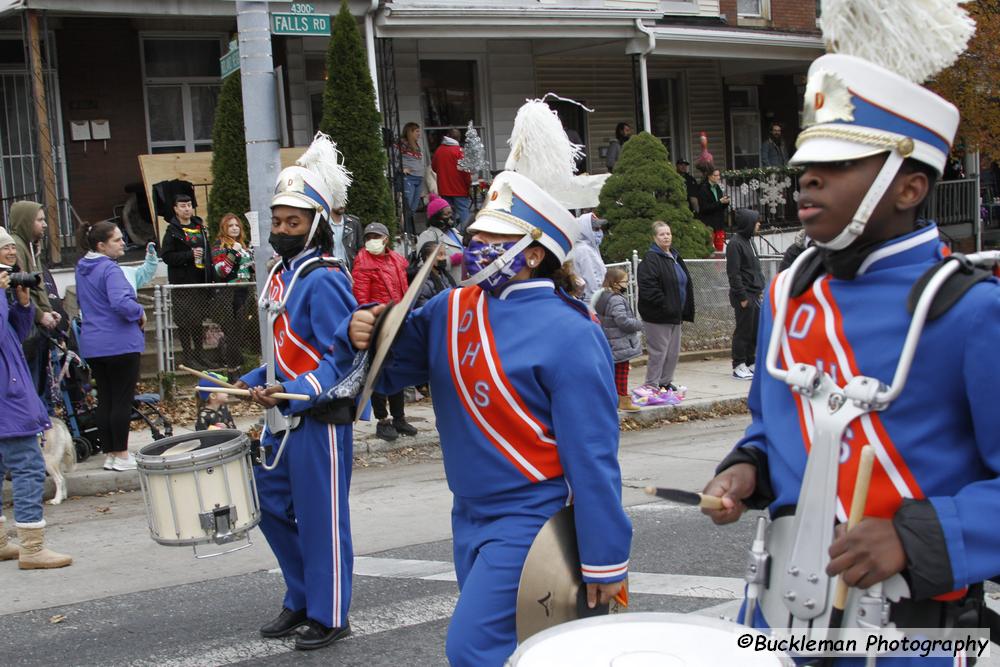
744, 126
448, 96
755, 8
663, 114
182, 87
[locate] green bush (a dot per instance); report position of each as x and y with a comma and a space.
645, 187
351, 119
230, 188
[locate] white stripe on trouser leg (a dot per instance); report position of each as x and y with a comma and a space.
335, 520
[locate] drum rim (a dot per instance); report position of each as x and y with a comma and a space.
631, 617
221, 452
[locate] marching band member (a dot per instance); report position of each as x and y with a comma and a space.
508, 358
304, 497
873, 146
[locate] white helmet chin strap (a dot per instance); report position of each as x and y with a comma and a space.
868, 204
309, 238
500, 263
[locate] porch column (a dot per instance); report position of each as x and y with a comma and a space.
50, 199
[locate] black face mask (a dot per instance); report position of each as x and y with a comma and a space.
286, 245
442, 265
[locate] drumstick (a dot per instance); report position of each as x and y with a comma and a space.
686, 497
281, 396
861, 483
205, 376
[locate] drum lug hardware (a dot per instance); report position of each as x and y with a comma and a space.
809, 604
790, 596
812, 579
219, 523
794, 571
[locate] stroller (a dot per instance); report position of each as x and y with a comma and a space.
73, 393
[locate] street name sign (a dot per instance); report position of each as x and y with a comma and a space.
300, 24
230, 62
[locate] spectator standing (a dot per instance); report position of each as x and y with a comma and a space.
439, 279
690, 183
713, 204
746, 286
414, 166
111, 336
213, 413
23, 417
441, 229
666, 298
186, 253
621, 327
140, 276
380, 277
233, 261
588, 265
347, 236
622, 133
453, 183
27, 226
772, 152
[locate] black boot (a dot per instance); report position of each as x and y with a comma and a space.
316, 635
385, 430
403, 427
285, 624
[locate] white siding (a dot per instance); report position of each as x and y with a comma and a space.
512, 81
702, 94
708, 7
603, 84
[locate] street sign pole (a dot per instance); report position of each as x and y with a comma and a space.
261, 123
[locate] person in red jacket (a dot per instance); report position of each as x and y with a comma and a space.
453, 183
380, 277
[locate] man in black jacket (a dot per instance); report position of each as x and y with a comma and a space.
186, 253
347, 237
746, 285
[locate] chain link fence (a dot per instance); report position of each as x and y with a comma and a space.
211, 326
215, 326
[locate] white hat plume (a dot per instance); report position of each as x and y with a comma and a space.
915, 39
323, 158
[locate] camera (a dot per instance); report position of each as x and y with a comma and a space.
22, 278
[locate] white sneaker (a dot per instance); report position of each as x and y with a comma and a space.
753, 368
109, 461
741, 372
121, 465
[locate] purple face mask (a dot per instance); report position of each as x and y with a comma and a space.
478, 256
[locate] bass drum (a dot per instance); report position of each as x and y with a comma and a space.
643, 640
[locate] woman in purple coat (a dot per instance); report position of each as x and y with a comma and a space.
111, 336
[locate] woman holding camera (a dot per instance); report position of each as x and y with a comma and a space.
111, 336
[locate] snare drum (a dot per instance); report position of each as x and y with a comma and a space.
643, 640
199, 488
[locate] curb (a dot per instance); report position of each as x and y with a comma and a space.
96, 482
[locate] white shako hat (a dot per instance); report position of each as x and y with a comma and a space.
318, 181
533, 195
865, 98
515, 205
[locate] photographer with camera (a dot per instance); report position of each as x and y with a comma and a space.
27, 226
22, 419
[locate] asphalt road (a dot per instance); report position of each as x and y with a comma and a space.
128, 601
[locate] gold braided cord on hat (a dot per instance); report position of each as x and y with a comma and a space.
889, 142
535, 232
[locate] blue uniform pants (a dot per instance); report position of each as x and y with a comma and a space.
305, 518
491, 540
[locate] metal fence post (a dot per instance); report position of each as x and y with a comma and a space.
160, 345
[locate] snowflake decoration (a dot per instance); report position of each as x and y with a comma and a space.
745, 189
795, 196
774, 193
788, 182
754, 184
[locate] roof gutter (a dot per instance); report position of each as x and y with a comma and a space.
643, 78
12, 6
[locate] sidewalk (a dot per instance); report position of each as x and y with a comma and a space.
709, 381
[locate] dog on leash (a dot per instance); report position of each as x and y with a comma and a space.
60, 456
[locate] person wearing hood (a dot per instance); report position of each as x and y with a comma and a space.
188, 257
746, 285
586, 254
27, 227
666, 298
111, 336
441, 229
22, 419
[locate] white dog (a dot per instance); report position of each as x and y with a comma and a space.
60, 456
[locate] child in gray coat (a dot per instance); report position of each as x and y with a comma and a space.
621, 327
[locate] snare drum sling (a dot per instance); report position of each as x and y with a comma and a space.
304, 499
937, 445
527, 415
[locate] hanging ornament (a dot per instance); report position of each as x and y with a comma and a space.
474, 153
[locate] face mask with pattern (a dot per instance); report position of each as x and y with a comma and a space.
478, 256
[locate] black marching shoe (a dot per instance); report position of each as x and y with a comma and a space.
404, 427
385, 430
316, 635
285, 624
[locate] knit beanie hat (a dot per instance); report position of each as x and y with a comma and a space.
436, 205
5, 237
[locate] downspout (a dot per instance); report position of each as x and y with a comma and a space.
643, 78
370, 47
